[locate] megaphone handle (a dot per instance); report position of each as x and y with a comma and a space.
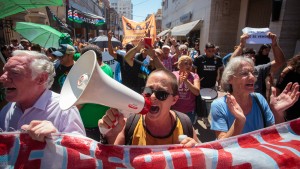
105, 130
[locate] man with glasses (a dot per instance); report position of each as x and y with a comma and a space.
160, 125
65, 56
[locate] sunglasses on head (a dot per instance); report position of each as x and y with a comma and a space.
159, 94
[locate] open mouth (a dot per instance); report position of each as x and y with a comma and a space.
250, 85
154, 109
10, 89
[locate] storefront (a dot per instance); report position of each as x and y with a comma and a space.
188, 32
86, 25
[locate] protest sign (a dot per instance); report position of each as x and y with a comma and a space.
257, 35
134, 31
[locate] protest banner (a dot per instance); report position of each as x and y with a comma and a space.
134, 31
273, 147
257, 35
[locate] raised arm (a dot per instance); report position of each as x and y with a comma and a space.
239, 50
279, 59
110, 47
155, 61
129, 57
177, 52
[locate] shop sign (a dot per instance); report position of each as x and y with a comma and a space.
77, 16
186, 17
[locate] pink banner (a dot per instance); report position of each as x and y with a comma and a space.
274, 147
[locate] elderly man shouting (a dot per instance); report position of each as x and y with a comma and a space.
32, 107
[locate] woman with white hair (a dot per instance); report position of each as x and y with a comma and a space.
188, 87
242, 110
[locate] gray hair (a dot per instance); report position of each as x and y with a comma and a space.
231, 68
40, 63
182, 47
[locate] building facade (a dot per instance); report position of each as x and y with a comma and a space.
90, 11
123, 8
221, 21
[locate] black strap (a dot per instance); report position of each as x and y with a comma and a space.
133, 120
186, 124
129, 128
261, 109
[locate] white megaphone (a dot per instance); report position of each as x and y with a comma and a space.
87, 83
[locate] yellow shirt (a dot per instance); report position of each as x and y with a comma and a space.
142, 137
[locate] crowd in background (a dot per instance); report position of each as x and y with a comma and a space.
247, 77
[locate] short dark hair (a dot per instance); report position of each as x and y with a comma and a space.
248, 51
94, 48
173, 79
129, 46
209, 45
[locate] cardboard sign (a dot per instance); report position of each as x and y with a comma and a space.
257, 35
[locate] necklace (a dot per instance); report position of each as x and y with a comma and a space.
161, 137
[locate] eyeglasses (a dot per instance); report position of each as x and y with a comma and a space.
246, 73
159, 94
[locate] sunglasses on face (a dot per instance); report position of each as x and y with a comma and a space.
159, 94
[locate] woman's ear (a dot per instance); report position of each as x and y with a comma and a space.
175, 98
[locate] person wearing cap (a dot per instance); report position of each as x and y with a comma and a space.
25, 43
64, 54
265, 69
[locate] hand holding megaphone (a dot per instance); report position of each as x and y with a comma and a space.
112, 122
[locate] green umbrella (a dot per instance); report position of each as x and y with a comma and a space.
43, 35
10, 7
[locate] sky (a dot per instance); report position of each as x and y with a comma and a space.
141, 8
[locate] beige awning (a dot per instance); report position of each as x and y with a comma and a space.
163, 32
184, 29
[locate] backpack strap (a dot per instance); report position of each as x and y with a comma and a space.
129, 128
261, 109
186, 124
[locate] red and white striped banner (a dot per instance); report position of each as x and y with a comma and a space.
274, 147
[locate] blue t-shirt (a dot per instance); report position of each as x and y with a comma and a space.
222, 118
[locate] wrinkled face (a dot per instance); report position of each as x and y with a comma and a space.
209, 52
17, 79
159, 83
186, 65
166, 52
243, 80
183, 51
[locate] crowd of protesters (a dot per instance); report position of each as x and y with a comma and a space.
169, 73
